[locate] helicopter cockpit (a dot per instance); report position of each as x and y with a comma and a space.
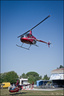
28, 35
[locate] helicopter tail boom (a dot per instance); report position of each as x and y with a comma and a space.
48, 43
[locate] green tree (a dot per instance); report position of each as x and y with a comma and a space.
61, 66
33, 74
11, 77
23, 76
46, 77
2, 77
33, 77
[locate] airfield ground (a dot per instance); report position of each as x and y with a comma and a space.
35, 92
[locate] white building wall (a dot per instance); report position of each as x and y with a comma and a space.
23, 81
57, 76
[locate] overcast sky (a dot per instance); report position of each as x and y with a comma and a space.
19, 16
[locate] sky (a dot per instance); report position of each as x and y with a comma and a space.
19, 16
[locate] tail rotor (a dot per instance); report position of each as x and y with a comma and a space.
49, 43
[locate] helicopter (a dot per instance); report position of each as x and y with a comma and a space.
17, 87
28, 38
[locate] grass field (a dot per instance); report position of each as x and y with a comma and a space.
5, 92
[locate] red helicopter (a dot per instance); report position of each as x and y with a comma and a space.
18, 87
28, 38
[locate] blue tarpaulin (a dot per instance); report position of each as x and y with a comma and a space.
41, 82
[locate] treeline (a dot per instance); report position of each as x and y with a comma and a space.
33, 77
12, 77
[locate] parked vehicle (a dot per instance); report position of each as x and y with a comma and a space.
5, 84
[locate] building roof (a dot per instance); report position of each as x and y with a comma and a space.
60, 70
42, 80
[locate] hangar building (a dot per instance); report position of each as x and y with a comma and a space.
57, 77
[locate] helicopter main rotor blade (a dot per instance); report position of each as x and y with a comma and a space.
40, 22
34, 26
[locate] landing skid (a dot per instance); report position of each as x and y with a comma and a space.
26, 48
23, 47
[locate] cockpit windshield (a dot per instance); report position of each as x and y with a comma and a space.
27, 35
